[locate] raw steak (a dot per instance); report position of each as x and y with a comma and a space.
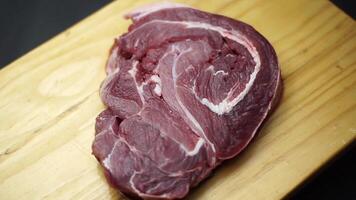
185, 91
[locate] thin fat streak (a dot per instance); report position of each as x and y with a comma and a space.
145, 10
133, 72
226, 106
185, 110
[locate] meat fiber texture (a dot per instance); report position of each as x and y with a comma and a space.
185, 90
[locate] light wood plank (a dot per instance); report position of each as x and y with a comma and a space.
49, 100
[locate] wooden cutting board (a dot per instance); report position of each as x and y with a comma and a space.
49, 100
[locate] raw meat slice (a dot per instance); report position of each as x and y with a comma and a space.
185, 91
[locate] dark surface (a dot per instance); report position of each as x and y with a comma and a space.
27, 24
348, 6
337, 180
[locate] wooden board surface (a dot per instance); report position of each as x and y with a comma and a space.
49, 100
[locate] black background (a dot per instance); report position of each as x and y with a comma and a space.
26, 24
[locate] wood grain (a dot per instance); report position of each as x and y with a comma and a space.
49, 100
